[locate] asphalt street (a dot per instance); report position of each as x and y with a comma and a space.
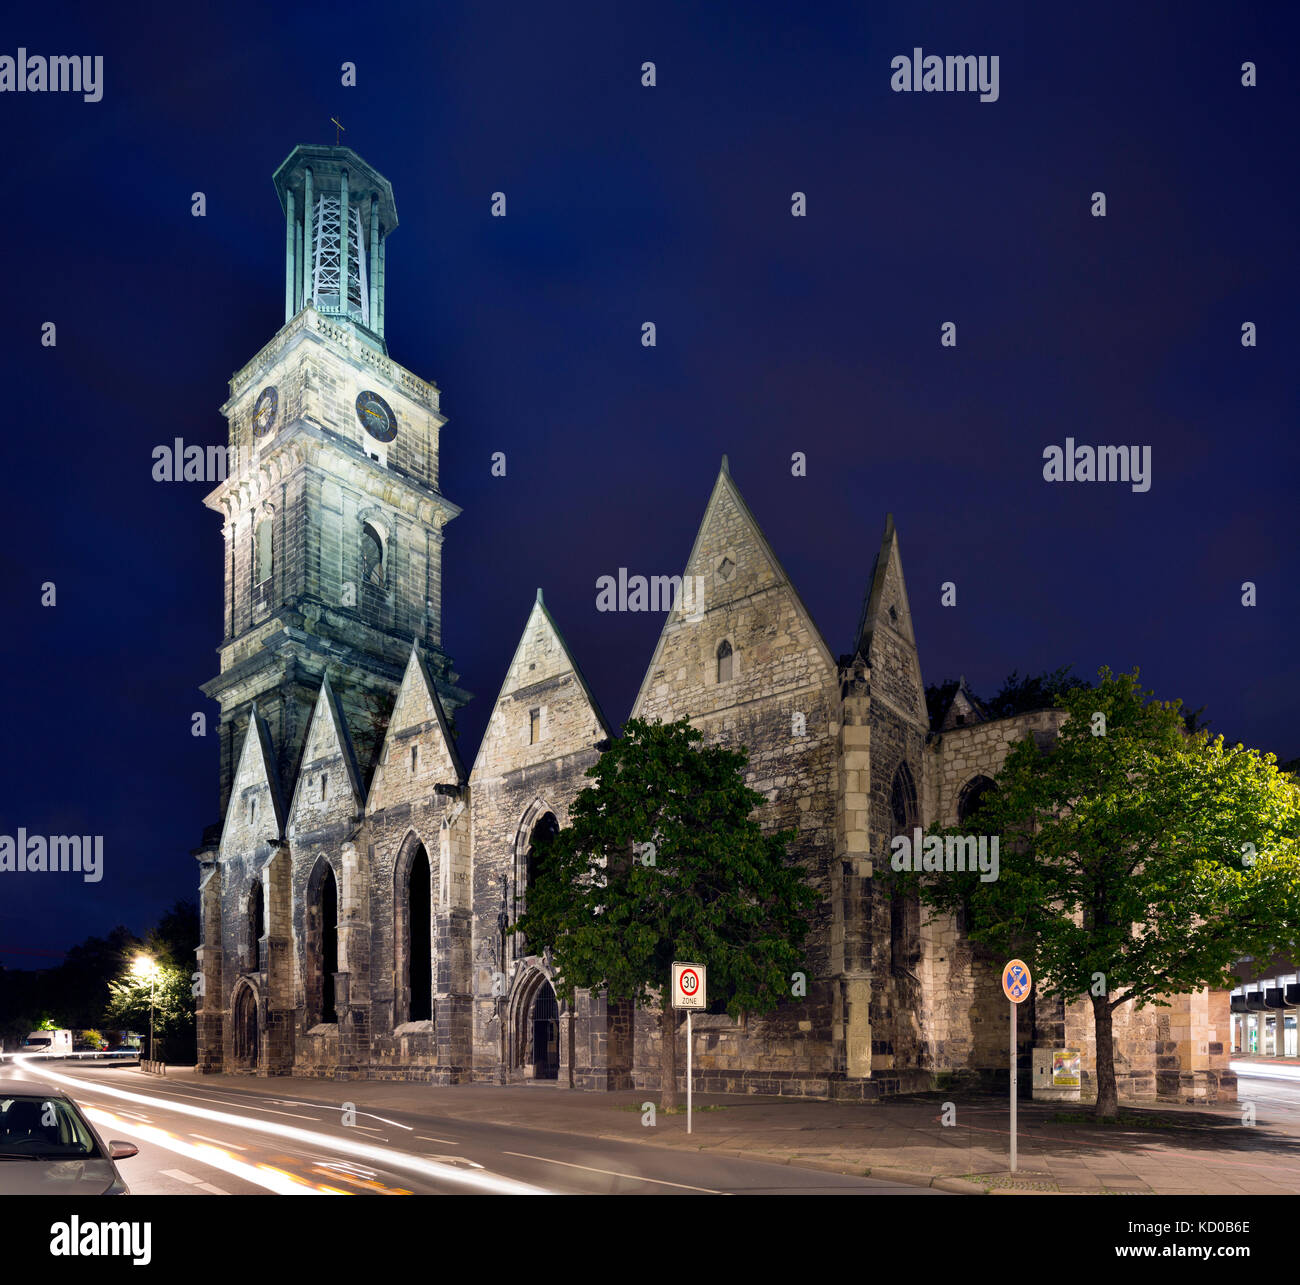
199, 1141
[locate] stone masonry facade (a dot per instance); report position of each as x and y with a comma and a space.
843, 753
356, 895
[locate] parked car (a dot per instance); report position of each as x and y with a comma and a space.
125, 1048
49, 1148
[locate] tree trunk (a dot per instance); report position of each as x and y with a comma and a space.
668, 1057
1107, 1101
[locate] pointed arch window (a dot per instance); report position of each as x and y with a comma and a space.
902, 800
256, 925
529, 869
263, 549
725, 662
322, 943
419, 939
904, 907
372, 557
973, 795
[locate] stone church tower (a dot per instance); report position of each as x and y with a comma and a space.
333, 514
356, 896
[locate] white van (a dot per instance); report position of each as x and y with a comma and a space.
51, 1043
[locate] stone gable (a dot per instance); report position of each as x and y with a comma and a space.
418, 752
328, 790
544, 680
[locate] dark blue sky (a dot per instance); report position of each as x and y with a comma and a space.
775, 335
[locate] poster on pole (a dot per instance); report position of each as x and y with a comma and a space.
688, 986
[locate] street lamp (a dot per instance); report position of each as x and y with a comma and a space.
146, 967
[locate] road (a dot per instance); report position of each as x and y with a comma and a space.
1275, 1091
196, 1140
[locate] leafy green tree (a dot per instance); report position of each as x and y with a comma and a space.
173, 1010
662, 861
1138, 860
171, 947
1035, 691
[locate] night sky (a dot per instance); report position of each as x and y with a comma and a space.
775, 334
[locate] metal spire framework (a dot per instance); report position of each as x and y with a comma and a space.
338, 214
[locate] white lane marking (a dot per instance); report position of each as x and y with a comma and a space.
250, 1101
293, 1115
685, 1186
329, 1106
261, 1176
180, 1175
216, 1142
233, 1102
424, 1137
385, 1157
216, 1191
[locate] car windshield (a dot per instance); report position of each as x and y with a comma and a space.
44, 1129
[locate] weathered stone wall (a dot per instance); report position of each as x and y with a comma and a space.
894, 995
896, 781
416, 803
780, 701
962, 1009
315, 478
249, 837
515, 782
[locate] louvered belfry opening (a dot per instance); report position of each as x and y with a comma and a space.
338, 212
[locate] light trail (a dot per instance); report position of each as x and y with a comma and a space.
381, 1156
204, 1154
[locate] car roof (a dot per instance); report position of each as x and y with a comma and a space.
30, 1088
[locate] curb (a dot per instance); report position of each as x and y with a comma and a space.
883, 1173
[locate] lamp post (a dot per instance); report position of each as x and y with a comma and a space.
146, 967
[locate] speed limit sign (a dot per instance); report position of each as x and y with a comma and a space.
688, 986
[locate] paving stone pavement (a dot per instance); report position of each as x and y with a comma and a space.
1182, 1150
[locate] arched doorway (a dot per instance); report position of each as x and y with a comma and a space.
546, 1034
245, 1028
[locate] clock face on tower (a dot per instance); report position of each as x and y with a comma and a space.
376, 416
268, 402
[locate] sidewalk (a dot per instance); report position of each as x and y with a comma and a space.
1157, 1150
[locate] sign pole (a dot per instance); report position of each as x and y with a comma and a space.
689, 993
1014, 1007
1016, 984
688, 1070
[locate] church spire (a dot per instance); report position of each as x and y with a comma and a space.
338, 213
